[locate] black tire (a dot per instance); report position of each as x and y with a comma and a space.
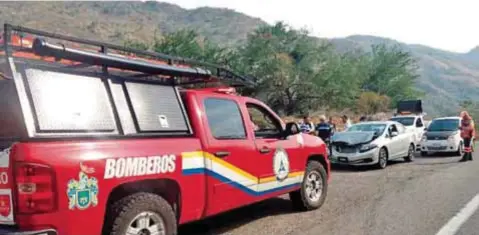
410, 153
424, 153
382, 158
460, 150
301, 201
124, 211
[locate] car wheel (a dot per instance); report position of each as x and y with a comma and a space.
460, 149
382, 158
314, 188
142, 213
410, 154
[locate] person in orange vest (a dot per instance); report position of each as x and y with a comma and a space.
465, 113
467, 134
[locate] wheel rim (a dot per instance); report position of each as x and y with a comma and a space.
382, 158
314, 186
146, 223
411, 152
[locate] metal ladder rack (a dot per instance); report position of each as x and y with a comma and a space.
195, 72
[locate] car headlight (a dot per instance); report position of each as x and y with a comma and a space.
367, 147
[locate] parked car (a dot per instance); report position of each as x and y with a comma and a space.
410, 114
443, 135
372, 143
97, 143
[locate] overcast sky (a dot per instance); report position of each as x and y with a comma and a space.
446, 24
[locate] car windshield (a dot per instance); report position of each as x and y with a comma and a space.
377, 128
407, 121
444, 125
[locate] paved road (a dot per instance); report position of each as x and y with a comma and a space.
405, 198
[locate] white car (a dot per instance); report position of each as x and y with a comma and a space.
443, 135
372, 143
413, 123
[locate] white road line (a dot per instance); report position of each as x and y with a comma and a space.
460, 218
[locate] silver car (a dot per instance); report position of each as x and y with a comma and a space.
372, 143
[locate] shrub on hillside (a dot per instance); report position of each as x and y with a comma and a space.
371, 103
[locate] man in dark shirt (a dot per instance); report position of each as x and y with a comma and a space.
324, 129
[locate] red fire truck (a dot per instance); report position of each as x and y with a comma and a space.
100, 139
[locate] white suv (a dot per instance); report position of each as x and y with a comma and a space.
443, 135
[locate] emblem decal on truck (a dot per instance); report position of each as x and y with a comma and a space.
139, 166
83, 193
281, 164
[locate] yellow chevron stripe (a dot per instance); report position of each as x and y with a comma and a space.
230, 166
273, 178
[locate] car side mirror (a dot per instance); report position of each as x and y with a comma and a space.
292, 128
394, 134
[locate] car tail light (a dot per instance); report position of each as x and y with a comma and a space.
34, 188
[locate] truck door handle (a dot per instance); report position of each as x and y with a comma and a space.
222, 154
265, 150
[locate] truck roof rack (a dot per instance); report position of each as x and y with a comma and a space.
180, 71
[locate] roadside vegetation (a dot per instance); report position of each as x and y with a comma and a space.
299, 74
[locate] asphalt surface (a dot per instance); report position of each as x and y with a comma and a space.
405, 198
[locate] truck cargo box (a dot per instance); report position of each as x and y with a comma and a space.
409, 107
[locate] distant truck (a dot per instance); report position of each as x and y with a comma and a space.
411, 115
92, 142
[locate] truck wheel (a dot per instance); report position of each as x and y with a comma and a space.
410, 153
142, 213
314, 188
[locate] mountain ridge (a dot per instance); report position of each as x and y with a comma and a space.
440, 71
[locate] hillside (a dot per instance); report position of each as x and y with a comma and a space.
119, 21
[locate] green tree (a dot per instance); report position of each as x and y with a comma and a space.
136, 45
393, 72
285, 61
340, 79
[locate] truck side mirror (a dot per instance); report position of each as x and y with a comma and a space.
292, 128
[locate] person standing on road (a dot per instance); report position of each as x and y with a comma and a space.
467, 134
324, 129
464, 113
332, 124
307, 126
346, 121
